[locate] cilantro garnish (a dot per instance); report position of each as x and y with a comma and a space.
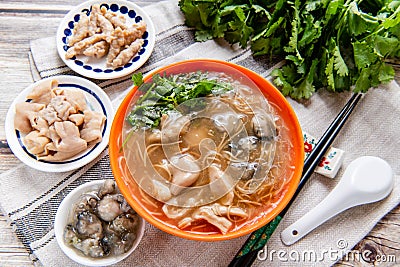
335, 44
166, 93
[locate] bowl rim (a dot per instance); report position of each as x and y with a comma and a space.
60, 222
267, 88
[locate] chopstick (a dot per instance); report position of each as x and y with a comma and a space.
257, 240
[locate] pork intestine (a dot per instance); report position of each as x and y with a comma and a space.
57, 122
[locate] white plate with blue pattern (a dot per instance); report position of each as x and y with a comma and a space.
96, 99
92, 67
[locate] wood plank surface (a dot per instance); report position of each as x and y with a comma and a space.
22, 21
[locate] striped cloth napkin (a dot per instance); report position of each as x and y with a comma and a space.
372, 130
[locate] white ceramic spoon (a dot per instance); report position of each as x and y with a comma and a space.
366, 180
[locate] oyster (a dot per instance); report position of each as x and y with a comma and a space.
102, 223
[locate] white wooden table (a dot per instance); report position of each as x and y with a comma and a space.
24, 20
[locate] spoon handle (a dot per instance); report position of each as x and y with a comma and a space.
359, 185
333, 204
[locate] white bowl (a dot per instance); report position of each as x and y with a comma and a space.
97, 68
61, 221
96, 99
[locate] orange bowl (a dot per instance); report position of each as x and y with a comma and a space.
131, 190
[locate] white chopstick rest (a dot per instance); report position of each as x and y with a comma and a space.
366, 180
332, 160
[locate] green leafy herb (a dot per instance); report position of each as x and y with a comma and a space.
165, 93
335, 44
137, 79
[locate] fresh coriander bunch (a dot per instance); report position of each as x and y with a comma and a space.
333, 44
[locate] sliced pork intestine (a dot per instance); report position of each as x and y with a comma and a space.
77, 118
174, 212
41, 125
35, 143
76, 98
70, 140
161, 191
184, 172
49, 114
58, 156
93, 124
42, 94
62, 107
172, 125
66, 142
25, 113
122, 41
214, 214
53, 131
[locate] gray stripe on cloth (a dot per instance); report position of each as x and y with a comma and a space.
175, 42
37, 223
12, 213
64, 181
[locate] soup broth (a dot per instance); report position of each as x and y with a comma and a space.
212, 163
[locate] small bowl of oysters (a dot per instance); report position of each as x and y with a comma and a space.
95, 226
